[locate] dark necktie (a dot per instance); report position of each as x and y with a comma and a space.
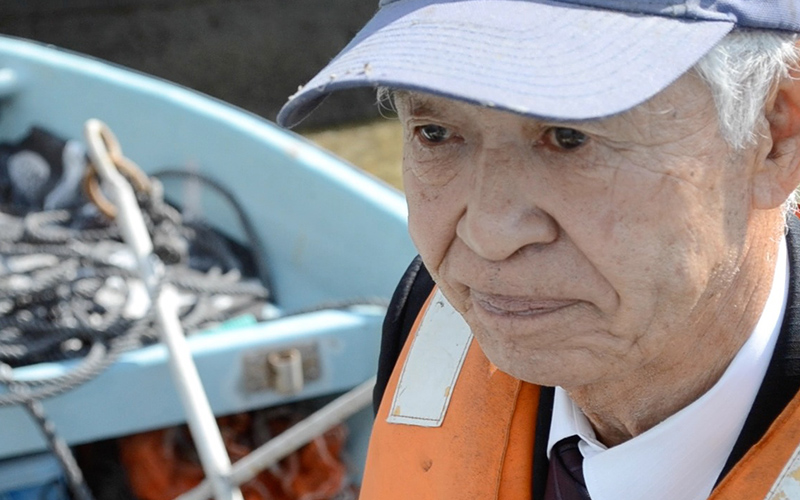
565, 476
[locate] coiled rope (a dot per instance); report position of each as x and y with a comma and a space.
69, 288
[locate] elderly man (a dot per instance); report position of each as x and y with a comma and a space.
607, 300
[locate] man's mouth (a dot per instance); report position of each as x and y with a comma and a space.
505, 305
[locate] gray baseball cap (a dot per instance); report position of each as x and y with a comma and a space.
563, 60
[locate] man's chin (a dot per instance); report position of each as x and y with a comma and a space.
544, 368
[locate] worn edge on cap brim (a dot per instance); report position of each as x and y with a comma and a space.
647, 54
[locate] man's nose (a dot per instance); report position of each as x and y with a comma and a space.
503, 213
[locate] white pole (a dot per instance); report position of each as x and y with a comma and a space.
207, 438
292, 438
203, 426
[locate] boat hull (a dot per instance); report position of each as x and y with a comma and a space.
329, 233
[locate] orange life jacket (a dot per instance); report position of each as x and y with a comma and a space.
483, 449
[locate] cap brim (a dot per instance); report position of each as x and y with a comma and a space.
534, 58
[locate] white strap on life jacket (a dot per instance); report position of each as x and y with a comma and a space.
432, 367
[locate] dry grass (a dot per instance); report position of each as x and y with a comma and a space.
375, 146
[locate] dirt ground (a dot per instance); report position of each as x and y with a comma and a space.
375, 146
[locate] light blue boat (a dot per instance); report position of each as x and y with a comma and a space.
329, 233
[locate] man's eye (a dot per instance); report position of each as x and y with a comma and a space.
433, 133
568, 138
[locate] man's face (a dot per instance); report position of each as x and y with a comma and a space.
580, 252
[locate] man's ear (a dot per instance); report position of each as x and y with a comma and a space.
781, 170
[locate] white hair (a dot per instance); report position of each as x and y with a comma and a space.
742, 71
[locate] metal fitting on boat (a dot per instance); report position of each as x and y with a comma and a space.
286, 368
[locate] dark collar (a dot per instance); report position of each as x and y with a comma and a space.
540, 462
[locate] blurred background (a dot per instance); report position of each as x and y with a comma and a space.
250, 53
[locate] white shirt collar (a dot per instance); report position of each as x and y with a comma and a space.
682, 456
